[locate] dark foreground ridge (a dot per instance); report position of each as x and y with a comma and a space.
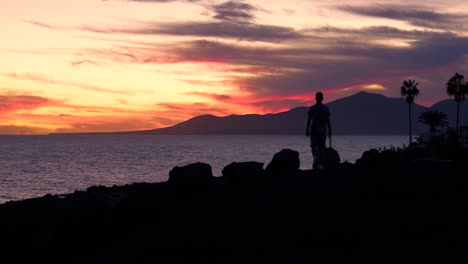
390, 205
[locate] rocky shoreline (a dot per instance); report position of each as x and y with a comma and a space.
389, 205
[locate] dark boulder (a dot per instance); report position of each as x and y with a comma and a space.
390, 157
192, 174
285, 161
330, 159
243, 172
369, 158
346, 167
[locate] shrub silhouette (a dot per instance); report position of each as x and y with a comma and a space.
433, 119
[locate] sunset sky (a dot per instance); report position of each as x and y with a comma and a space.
120, 65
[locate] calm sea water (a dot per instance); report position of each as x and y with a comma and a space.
32, 166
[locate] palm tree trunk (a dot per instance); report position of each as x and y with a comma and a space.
458, 118
410, 130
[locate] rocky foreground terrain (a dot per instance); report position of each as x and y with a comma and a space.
391, 205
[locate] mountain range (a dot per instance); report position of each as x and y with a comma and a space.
360, 114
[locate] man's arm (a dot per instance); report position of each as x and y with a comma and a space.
329, 126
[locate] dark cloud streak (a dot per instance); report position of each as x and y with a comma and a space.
416, 16
217, 29
85, 62
373, 32
214, 96
234, 10
188, 110
41, 24
221, 29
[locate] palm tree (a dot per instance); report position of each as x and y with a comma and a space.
409, 90
457, 88
434, 119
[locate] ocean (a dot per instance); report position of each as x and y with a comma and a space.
33, 166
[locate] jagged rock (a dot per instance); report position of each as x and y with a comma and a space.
368, 158
243, 172
330, 158
192, 174
346, 166
286, 160
390, 157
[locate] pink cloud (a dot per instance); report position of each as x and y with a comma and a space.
15, 103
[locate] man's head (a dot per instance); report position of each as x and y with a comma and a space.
319, 97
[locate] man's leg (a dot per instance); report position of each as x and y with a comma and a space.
315, 152
313, 149
320, 146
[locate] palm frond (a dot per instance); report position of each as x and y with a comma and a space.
409, 90
403, 90
434, 119
455, 86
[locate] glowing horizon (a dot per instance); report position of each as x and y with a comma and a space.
121, 65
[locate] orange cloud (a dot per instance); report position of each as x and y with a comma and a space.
108, 122
15, 103
44, 79
18, 115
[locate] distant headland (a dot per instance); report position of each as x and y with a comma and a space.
372, 114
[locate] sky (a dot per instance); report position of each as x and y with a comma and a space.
124, 65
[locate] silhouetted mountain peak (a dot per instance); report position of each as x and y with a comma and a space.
200, 118
444, 103
367, 95
364, 93
449, 106
363, 98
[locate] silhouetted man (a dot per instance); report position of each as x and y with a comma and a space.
318, 126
